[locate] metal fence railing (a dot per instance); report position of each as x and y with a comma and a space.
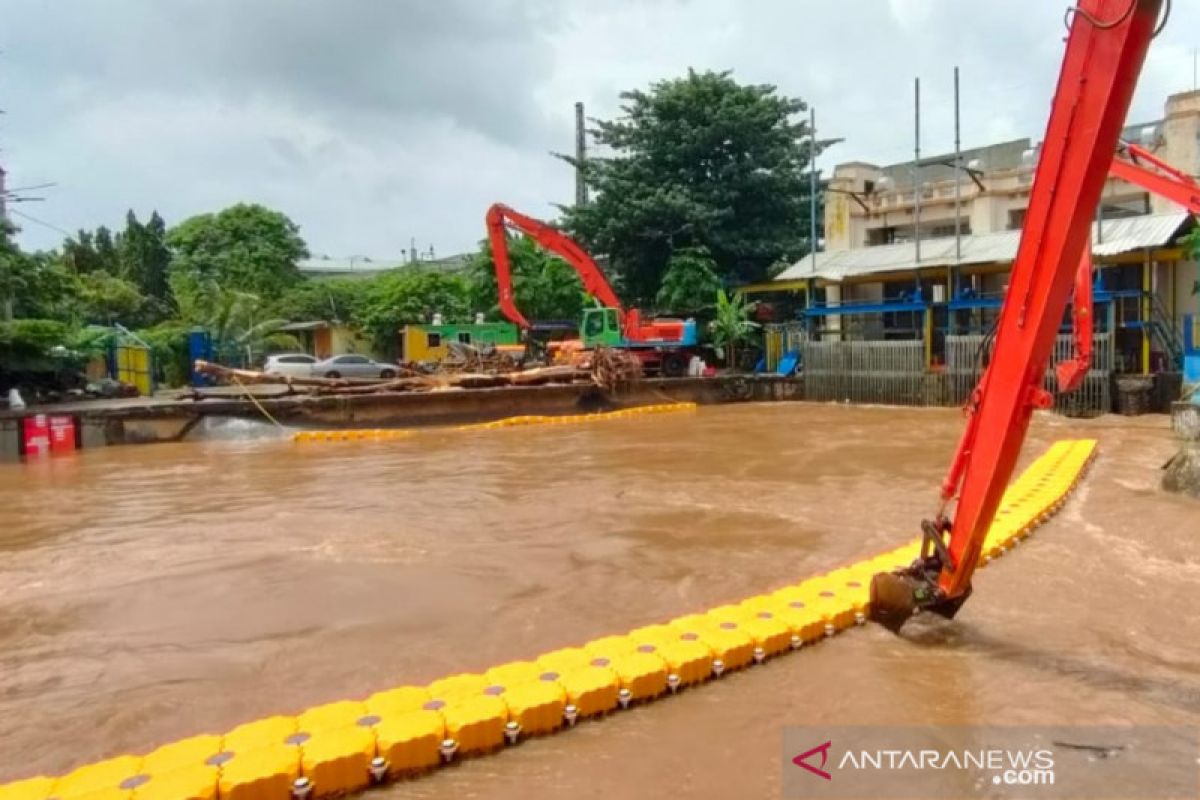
865, 371
963, 368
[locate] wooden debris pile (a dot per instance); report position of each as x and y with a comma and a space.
407, 381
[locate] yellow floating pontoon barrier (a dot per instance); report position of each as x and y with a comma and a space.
349, 745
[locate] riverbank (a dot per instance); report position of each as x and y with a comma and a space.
164, 419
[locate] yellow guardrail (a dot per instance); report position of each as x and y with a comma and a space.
349, 745
381, 434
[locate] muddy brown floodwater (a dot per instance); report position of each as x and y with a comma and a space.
150, 593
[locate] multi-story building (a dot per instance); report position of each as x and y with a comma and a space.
895, 265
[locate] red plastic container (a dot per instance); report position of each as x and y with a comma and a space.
62, 433
35, 435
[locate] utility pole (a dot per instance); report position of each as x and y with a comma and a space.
957, 188
4, 234
581, 197
917, 174
812, 185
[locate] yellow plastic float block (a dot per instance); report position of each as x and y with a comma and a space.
771, 634
263, 773
690, 661
193, 752
411, 742
853, 583
101, 776
565, 659
476, 723
643, 673
734, 648
610, 647
513, 674
398, 701
196, 782
789, 607
338, 761
38, 788
259, 734
592, 690
467, 684
331, 716
832, 603
537, 707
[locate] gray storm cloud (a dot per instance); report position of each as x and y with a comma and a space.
376, 123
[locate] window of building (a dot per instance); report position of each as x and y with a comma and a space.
1016, 219
878, 236
464, 337
434, 339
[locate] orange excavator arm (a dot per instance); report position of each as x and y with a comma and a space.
1106, 47
1140, 167
500, 218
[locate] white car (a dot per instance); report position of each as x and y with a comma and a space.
297, 365
352, 366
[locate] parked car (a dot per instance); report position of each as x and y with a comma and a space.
352, 366
297, 365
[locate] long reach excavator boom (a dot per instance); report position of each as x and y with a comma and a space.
1106, 47
631, 330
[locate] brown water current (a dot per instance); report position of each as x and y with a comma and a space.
150, 593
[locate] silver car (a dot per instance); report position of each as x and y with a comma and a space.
294, 364
352, 366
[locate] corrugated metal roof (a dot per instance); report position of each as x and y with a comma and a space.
1120, 236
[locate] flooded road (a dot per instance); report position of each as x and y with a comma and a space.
150, 593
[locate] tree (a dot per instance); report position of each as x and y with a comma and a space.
699, 161
334, 299
409, 295
12, 276
732, 325
245, 246
690, 282
105, 299
545, 287
144, 257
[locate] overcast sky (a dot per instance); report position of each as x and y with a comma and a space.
370, 123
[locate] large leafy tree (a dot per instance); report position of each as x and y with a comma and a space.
690, 282
406, 295
144, 257
249, 247
698, 161
545, 286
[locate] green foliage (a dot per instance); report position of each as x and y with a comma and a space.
410, 295
247, 246
28, 343
545, 287
732, 325
700, 161
333, 299
144, 257
106, 299
690, 281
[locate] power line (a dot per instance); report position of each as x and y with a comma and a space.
41, 222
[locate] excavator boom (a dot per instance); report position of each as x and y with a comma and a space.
499, 218
1106, 47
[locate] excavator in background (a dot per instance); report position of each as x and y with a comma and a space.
1106, 47
665, 346
1136, 165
